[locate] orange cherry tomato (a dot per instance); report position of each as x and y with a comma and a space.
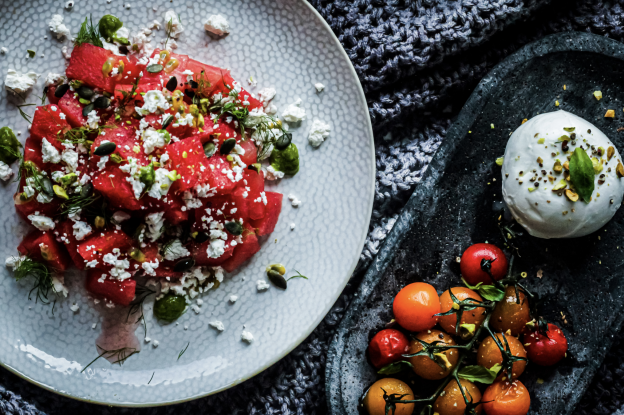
426, 368
505, 398
509, 315
451, 401
475, 316
375, 404
489, 354
472, 259
415, 307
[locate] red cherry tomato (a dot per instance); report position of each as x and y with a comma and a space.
386, 347
472, 258
415, 307
546, 348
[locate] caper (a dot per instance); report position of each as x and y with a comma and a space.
86, 110
201, 237
284, 141
102, 102
85, 92
60, 90
193, 84
86, 190
209, 149
227, 146
234, 228
172, 84
105, 149
60, 192
154, 68
47, 186
189, 93
184, 265
168, 121
277, 279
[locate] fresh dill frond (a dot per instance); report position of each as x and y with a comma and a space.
40, 182
141, 293
182, 352
297, 276
79, 135
169, 29
150, 381
28, 267
127, 96
25, 116
88, 33
119, 356
268, 131
76, 203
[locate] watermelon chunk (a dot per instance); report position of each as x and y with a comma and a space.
119, 292
49, 91
26, 208
244, 251
216, 77
173, 206
266, 225
255, 188
47, 122
124, 136
251, 152
161, 78
32, 152
233, 207
72, 109
103, 243
201, 255
112, 183
188, 159
218, 175
64, 232
86, 64
42, 246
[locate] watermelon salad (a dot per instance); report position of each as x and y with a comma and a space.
146, 165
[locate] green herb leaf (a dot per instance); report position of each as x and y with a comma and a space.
31, 53
395, 367
299, 275
88, 34
489, 292
582, 174
480, 374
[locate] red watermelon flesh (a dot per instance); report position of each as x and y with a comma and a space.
116, 188
86, 64
48, 123
244, 251
132, 70
50, 90
251, 152
102, 243
215, 77
161, 78
119, 292
206, 134
32, 152
266, 225
253, 183
124, 136
218, 175
31, 207
192, 168
64, 232
72, 109
220, 209
41, 246
173, 206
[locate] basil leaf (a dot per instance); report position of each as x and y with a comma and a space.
582, 174
480, 374
489, 292
395, 367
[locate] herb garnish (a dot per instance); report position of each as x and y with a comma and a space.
297, 276
141, 293
182, 352
40, 272
582, 174
119, 355
88, 34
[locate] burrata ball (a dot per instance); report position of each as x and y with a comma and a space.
541, 191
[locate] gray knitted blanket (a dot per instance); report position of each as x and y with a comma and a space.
418, 61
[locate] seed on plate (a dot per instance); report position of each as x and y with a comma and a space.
209, 149
168, 121
155, 68
47, 186
227, 146
172, 84
105, 149
60, 192
284, 141
277, 279
102, 102
85, 92
184, 265
61, 90
201, 237
86, 110
234, 228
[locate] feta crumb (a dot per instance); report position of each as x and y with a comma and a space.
176, 250
217, 25
155, 343
53, 79
147, 339
262, 285
58, 285
3, 50
93, 120
13, 262
69, 5
267, 94
19, 83
293, 200
74, 308
152, 102
173, 25
247, 337
272, 174
196, 309
93, 326
155, 224
120, 216
66, 53
5, 171
43, 223
81, 230
319, 87
294, 113
292, 226
319, 131
58, 28
102, 163
49, 152
233, 298
217, 325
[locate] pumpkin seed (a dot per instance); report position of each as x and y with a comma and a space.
284, 141
193, 84
86, 190
86, 110
47, 186
154, 68
168, 121
234, 228
172, 84
201, 237
68, 179
61, 90
277, 279
60, 192
105, 149
184, 265
227, 146
209, 149
277, 267
189, 93
102, 102
85, 92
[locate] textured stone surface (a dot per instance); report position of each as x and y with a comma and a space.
452, 208
282, 44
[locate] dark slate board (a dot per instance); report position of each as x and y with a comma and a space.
452, 207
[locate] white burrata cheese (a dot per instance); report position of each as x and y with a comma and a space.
529, 177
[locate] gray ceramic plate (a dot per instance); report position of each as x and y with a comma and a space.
453, 207
282, 43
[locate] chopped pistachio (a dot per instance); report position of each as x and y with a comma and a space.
531, 189
492, 125
610, 152
541, 141
572, 196
598, 95
561, 185
620, 170
597, 165
499, 161
610, 114
525, 120
564, 138
556, 103
557, 167
540, 160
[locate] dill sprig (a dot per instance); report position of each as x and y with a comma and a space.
25, 116
40, 272
76, 203
150, 381
127, 96
141, 293
182, 352
268, 136
41, 182
169, 29
297, 276
119, 356
88, 33
80, 135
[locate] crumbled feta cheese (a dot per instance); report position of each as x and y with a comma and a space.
176, 250
217, 325
255, 117
217, 24
155, 224
58, 28
119, 265
155, 343
74, 308
292, 226
102, 163
152, 102
19, 83
216, 248
49, 152
53, 79
173, 25
58, 285
294, 113
319, 131
247, 337
3, 50
13, 262
272, 174
81, 229
150, 267
191, 202
29, 191
69, 5
5, 171
293, 200
92, 264
233, 298
41, 222
155, 25
71, 158
44, 198
93, 120
262, 285
196, 309
267, 94
162, 184
152, 139
319, 87
66, 53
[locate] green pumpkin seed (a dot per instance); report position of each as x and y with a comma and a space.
189, 93
86, 110
193, 84
172, 84
184, 265
227, 146
105, 149
86, 190
277, 279
209, 149
155, 68
201, 237
84, 101
61, 90
234, 228
85, 92
168, 121
60, 192
284, 141
102, 102
47, 186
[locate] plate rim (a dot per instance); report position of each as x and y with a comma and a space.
569, 41
306, 333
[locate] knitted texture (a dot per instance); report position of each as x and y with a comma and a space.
418, 60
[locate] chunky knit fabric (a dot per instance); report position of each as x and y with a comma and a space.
418, 60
